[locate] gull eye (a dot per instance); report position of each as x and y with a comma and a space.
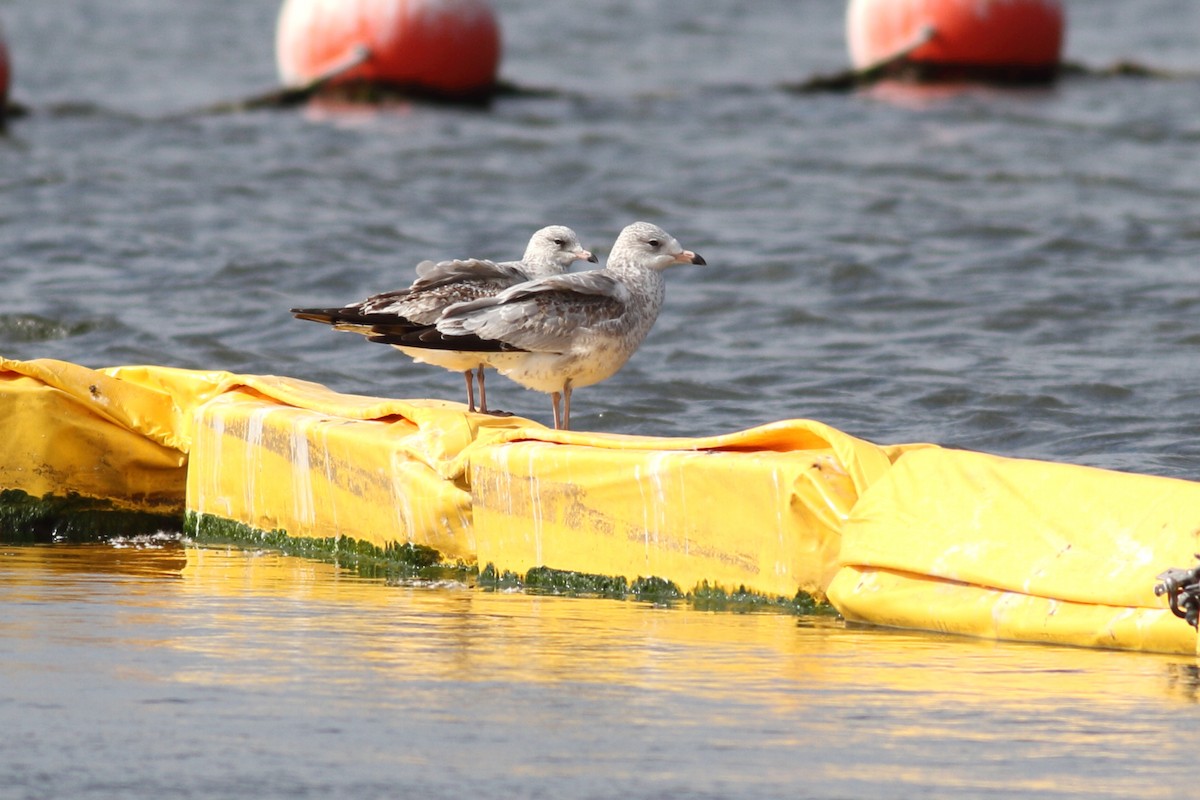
653, 242
560, 242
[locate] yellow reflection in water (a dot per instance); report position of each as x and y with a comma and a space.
262, 617
148, 557
850, 706
459, 633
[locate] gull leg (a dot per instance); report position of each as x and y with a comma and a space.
482, 392
483, 406
567, 405
469, 375
554, 398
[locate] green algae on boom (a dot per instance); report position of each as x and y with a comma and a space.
74, 518
406, 561
394, 561
712, 598
544, 580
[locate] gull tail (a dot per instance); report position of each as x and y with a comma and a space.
430, 338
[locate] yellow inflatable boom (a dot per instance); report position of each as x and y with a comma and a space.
1012, 549
912, 536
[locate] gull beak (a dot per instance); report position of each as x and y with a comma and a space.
587, 255
688, 257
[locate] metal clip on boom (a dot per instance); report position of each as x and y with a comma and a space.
1182, 588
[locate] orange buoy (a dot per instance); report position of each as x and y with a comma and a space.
1004, 40
440, 48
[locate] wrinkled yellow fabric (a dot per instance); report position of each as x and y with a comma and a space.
901, 600
266, 451
316, 464
1008, 548
275, 453
761, 509
863, 462
68, 429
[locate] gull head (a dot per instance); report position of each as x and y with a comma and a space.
557, 246
649, 246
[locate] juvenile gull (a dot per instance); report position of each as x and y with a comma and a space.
559, 332
389, 316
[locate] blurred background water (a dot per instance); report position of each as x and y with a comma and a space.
1012, 271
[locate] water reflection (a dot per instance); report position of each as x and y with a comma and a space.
143, 556
926, 96
1183, 681
455, 632
579, 697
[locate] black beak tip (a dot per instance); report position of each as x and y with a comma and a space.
699, 260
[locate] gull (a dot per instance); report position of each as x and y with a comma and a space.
557, 333
388, 316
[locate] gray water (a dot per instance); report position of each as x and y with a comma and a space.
1011, 271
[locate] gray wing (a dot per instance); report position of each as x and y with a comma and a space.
433, 274
440, 285
543, 315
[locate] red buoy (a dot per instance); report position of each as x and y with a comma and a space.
442, 48
1018, 40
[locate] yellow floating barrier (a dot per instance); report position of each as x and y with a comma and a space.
82, 442
293, 456
761, 509
911, 536
1013, 549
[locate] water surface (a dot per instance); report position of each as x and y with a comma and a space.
157, 670
1013, 271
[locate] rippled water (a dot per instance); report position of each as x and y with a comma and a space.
179, 672
1011, 271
